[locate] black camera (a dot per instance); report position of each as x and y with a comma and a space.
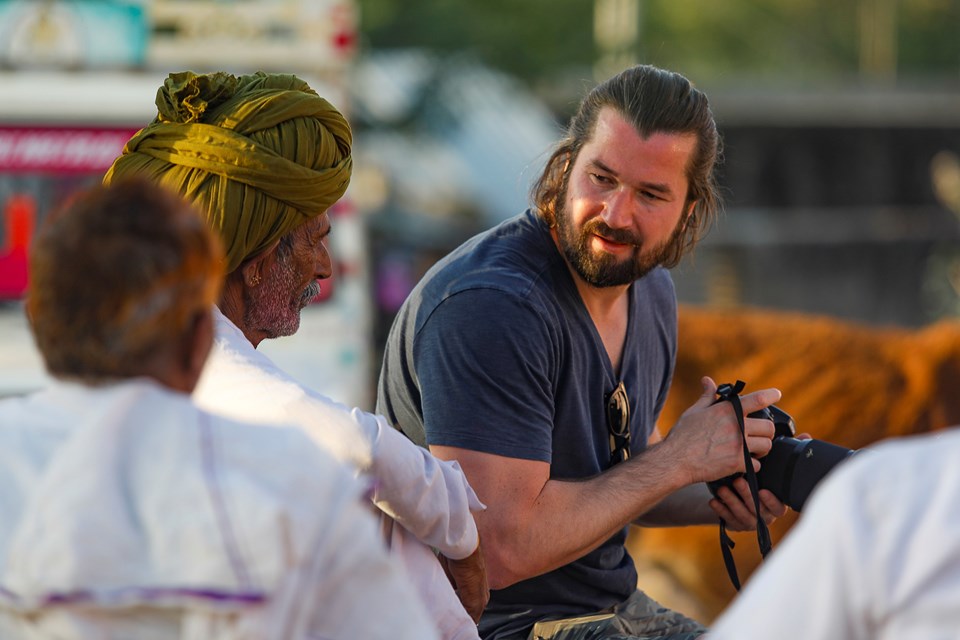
793, 467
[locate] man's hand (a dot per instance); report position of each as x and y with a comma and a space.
469, 579
706, 442
737, 509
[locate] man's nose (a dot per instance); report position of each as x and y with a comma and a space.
620, 209
323, 263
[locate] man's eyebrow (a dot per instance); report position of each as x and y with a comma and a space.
325, 229
652, 186
600, 165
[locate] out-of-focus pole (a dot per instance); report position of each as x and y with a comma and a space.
616, 31
878, 39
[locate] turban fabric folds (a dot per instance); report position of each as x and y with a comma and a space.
258, 154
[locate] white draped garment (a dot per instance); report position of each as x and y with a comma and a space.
430, 499
127, 513
875, 554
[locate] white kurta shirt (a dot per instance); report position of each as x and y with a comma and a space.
127, 513
429, 498
874, 556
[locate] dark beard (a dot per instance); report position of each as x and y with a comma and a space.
603, 269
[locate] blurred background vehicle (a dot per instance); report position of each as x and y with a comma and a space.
77, 79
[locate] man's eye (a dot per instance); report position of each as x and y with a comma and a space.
600, 179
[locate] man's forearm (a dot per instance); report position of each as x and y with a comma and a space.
686, 506
534, 523
568, 519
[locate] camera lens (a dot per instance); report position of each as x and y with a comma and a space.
794, 467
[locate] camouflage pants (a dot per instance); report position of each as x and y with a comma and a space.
637, 618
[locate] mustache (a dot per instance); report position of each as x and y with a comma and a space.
311, 292
601, 228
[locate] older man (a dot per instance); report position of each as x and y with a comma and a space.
263, 157
129, 513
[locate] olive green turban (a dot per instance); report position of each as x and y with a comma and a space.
258, 154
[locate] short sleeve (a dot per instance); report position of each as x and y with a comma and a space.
485, 360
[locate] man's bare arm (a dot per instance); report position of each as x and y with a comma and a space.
534, 524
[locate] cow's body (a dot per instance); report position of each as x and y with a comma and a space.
842, 382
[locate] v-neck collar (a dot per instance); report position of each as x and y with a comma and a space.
584, 317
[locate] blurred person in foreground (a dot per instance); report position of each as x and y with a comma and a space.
263, 157
129, 513
875, 555
539, 355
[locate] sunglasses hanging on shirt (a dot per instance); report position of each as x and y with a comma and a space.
618, 423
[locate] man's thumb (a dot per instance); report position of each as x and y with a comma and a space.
709, 392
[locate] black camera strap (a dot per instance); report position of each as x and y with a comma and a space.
731, 393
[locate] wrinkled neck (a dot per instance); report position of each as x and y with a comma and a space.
233, 305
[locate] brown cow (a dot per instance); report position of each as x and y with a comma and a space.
846, 383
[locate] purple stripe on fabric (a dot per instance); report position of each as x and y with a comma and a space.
140, 594
148, 595
227, 532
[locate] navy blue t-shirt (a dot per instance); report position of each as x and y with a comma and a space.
494, 351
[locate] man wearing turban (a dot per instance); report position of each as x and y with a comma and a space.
263, 157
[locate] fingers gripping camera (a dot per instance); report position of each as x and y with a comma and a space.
793, 467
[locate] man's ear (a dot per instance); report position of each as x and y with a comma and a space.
252, 271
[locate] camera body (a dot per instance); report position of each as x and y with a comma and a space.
793, 467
